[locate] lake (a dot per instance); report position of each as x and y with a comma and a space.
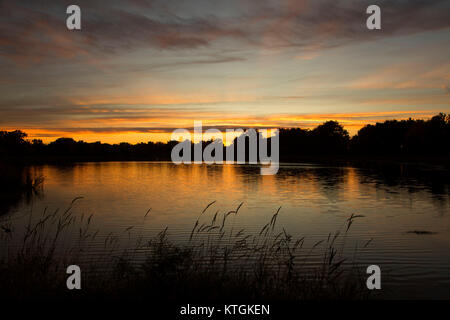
315, 200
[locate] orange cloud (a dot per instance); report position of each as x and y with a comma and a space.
154, 129
405, 76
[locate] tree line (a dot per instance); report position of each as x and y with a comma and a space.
410, 137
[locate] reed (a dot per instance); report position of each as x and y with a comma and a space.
218, 261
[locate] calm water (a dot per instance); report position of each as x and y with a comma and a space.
315, 201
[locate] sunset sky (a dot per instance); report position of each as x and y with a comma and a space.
140, 69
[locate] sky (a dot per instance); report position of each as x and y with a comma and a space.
137, 70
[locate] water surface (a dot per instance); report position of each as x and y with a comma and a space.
315, 200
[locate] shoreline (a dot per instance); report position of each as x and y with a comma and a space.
342, 160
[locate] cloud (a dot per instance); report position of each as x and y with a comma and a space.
446, 89
34, 31
406, 76
158, 122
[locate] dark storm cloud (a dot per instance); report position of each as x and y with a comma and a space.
31, 31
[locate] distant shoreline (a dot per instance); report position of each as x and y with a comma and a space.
339, 160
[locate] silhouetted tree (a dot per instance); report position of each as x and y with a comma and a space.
405, 137
330, 138
391, 137
13, 142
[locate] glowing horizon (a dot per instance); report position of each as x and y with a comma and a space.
351, 122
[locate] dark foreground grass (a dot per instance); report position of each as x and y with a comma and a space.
17, 184
217, 262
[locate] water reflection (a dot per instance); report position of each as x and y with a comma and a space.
18, 185
315, 201
165, 182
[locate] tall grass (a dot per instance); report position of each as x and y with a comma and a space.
217, 261
17, 184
